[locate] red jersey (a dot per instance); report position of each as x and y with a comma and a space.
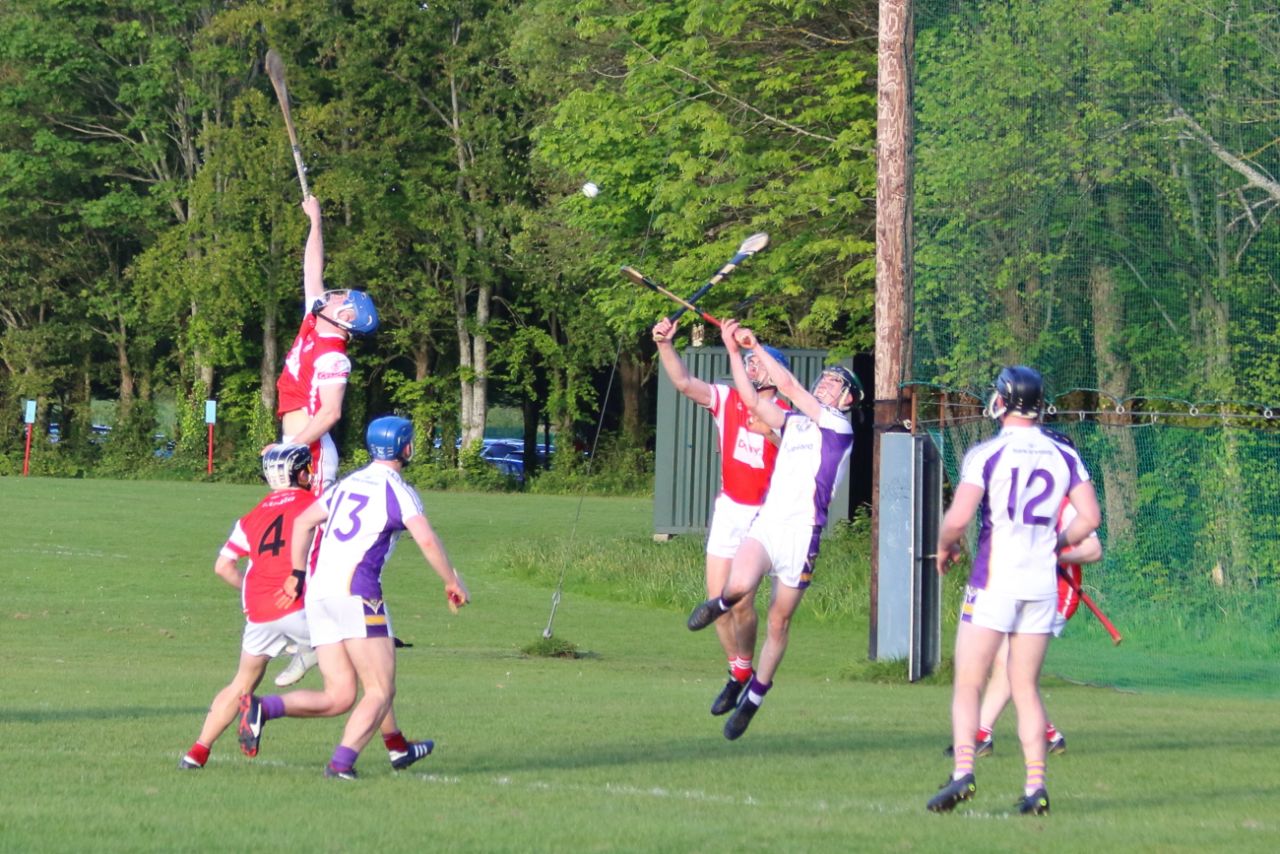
313, 361
746, 458
1068, 593
262, 536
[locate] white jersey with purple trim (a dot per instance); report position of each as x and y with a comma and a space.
367, 512
1024, 474
812, 461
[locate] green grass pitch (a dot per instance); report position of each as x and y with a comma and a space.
115, 634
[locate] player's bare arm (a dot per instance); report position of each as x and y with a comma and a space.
303, 527
664, 333
1089, 551
433, 550
226, 569
736, 338
313, 255
1084, 500
964, 506
330, 411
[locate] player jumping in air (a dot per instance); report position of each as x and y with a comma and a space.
313, 382
748, 449
783, 540
1017, 480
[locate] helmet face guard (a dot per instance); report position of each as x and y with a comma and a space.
762, 379
1018, 390
364, 315
285, 466
390, 438
850, 386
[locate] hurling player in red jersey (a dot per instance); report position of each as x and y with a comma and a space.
313, 382
274, 616
748, 449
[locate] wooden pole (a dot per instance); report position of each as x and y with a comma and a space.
893, 247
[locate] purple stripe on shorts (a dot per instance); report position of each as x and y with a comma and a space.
811, 558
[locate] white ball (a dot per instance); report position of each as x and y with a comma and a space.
590, 190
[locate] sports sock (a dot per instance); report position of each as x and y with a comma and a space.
199, 753
272, 707
756, 691
984, 733
740, 668
1035, 776
964, 761
396, 741
344, 758
1051, 732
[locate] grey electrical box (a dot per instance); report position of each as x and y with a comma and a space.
909, 601
687, 449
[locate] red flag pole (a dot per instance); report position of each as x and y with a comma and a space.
210, 469
26, 457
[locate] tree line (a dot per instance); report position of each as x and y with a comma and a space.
150, 236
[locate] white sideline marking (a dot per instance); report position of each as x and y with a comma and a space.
63, 551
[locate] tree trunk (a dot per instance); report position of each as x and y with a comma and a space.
630, 378
269, 367
1114, 377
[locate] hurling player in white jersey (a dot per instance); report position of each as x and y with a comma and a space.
1017, 481
784, 538
363, 515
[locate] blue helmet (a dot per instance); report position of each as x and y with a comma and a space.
390, 438
1018, 390
283, 466
778, 356
365, 319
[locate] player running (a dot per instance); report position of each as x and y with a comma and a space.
783, 540
1017, 479
313, 382
748, 449
273, 618
350, 626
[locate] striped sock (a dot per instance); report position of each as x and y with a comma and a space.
756, 691
199, 754
740, 668
964, 761
1035, 776
1050, 732
984, 733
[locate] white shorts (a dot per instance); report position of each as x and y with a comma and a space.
325, 469
1008, 615
1059, 623
792, 550
271, 638
730, 522
342, 618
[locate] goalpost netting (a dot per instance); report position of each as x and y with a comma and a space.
1095, 193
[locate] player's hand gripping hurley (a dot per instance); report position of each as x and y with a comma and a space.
275, 70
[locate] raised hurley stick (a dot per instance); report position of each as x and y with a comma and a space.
641, 279
275, 70
749, 247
